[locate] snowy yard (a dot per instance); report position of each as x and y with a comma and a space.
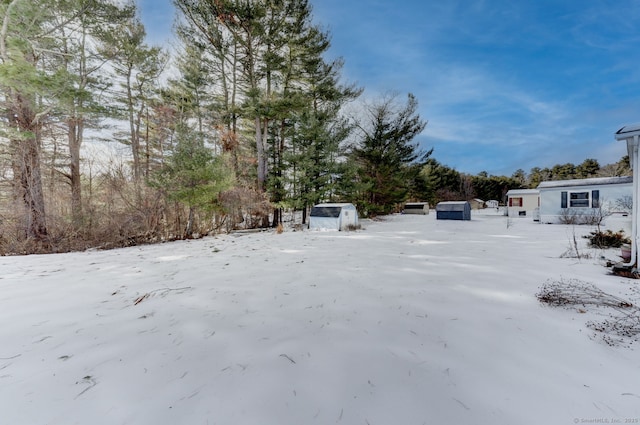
408, 321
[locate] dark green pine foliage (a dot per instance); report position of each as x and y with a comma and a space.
386, 153
315, 159
588, 168
495, 187
304, 142
441, 183
193, 175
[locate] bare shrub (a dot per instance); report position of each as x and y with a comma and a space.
625, 203
246, 206
572, 216
618, 329
591, 216
623, 324
573, 251
574, 292
568, 216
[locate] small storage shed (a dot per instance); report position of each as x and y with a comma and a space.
416, 208
492, 204
453, 210
333, 217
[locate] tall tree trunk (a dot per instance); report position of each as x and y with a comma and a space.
28, 187
75, 140
189, 229
262, 169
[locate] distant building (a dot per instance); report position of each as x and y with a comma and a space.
492, 204
523, 203
476, 204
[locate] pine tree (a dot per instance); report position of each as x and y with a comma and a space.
27, 85
193, 176
79, 27
385, 153
137, 67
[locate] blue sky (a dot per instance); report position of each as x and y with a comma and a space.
504, 84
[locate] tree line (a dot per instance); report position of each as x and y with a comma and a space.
242, 123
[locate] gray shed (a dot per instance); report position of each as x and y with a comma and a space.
453, 210
416, 208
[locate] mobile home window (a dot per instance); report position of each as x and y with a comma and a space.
515, 202
579, 199
595, 199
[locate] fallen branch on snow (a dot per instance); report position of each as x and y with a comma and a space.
163, 291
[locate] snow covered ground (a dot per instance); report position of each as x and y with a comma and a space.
411, 320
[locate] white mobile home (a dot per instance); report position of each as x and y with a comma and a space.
333, 217
581, 200
523, 202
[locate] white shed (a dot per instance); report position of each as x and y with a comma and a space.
492, 203
333, 217
578, 200
523, 202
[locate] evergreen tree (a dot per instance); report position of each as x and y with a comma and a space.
79, 26
563, 171
588, 168
520, 176
193, 176
29, 87
268, 60
137, 67
496, 187
442, 182
317, 131
385, 153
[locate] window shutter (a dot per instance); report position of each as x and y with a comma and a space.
510, 202
563, 199
595, 199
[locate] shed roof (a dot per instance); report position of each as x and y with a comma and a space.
452, 206
598, 181
337, 204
